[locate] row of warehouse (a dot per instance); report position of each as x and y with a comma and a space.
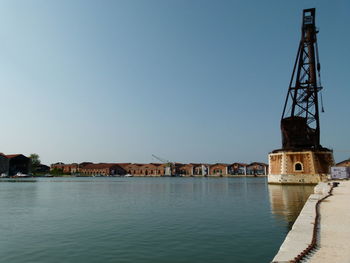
18, 163
162, 169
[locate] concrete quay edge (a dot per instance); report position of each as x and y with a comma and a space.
300, 236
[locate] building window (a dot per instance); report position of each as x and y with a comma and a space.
298, 167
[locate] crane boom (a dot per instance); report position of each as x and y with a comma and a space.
160, 159
300, 124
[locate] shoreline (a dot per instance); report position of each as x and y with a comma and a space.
148, 176
330, 234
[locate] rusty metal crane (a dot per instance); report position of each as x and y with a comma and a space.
302, 159
300, 124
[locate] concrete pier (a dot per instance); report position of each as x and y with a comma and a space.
334, 231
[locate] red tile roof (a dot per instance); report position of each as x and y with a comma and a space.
99, 165
258, 163
241, 164
10, 156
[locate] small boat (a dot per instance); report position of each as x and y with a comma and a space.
19, 174
128, 175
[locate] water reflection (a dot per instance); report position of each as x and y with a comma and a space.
17, 180
288, 200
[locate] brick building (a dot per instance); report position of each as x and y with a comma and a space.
200, 169
186, 169
218, 169
104, 169
256, 168
42, 168
238, 169
193, 169
150, 169
58, 166
161, 169
71, 168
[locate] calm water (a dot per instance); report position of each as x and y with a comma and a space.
145, 219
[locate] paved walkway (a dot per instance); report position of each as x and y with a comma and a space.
335, 227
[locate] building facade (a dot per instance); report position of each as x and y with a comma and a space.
256, 168
238, 169
103, 169
18, 163
218, 169
150, 169
4, 164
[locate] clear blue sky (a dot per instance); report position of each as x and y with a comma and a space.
188, 80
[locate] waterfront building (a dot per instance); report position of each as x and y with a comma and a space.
345, 163
257, 168
12, 164
150, 169
42, 168
160, 169
83, 164
57, 166
200, 169
71, 168
186, 169
18, 163
237, 169
125, 166
4, 164
104, 169
218, 169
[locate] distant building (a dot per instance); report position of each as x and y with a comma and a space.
345, 163
200, 169
105, 169
163, 169
150, 169
58, 166
238, 169
4, 164
218, 169
83, 164
42, 168
125, 166
18, 163
193, 169
256, 168
71, 168
186, 169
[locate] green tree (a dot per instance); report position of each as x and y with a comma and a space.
56, 172
35, 161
